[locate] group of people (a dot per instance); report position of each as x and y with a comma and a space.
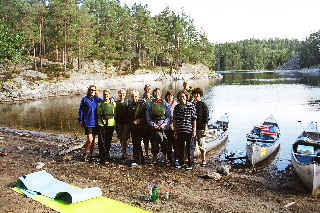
169, 127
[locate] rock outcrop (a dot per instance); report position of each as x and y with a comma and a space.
32, 85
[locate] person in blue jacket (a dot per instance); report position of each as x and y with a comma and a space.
87, 117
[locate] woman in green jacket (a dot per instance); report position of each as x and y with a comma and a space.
106, 123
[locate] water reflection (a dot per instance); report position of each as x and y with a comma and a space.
50, 115
309, 80
256, 78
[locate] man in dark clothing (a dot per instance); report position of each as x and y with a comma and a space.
136, 114
122, 123
202, 122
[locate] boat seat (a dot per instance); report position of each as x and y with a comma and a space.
303, 158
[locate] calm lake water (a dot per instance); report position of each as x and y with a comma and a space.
248, 98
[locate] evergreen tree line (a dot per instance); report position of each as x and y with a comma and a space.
65, 30
255, 54
71, 31
310, 50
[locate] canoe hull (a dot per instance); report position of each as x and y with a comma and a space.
211, 143
309, 173
258, 152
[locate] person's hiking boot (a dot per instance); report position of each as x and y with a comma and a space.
134, 164
203, 163
189, 166
178, 165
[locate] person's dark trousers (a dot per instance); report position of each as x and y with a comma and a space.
146, 137
136, 134
159, 140
104, 143
170, 146
101, 146
185, 145
190, 147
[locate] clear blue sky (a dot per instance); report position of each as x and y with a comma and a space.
234, 20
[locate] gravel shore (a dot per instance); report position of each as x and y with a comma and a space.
243, 190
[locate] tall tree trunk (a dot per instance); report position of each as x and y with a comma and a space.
40, 49
63, 56
57, 53
34, 56
44, 46
78, 54
65, 47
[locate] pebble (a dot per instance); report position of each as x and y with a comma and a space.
225, 169
39, 165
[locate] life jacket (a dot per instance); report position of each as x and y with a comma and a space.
135, 110
106, 113
158, 111
122, 111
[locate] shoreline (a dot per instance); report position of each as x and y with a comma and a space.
20, 89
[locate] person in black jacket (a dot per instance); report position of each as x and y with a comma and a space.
202, 122
122, 122
136, 114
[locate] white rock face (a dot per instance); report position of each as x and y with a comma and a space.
31, 85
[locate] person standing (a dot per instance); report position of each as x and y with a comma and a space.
184, 125
158, 116
106, 123
202, 122
122, 122
146, 137
188, 89
171, 143
87, 116
136, 115
147, 92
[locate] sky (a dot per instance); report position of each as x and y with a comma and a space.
235, 20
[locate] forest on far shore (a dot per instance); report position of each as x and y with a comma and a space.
130, 38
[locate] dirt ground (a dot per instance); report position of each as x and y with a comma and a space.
243, 190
